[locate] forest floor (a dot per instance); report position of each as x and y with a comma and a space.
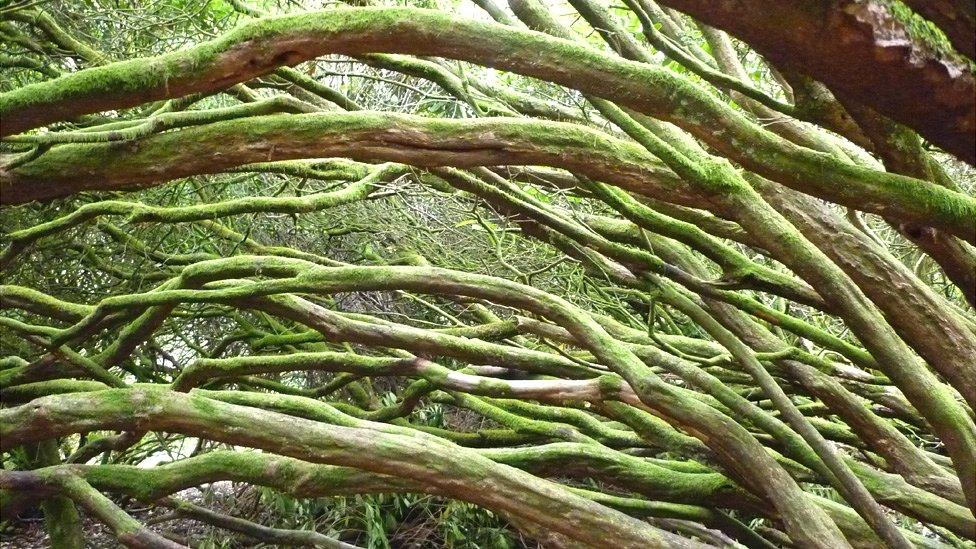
27, 531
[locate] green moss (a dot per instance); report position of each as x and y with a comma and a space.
925, 32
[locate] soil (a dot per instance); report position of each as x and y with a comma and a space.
27, 530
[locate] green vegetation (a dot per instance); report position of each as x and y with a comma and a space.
475, 275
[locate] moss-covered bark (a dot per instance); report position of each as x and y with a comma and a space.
700, 333
423, 458
265, 44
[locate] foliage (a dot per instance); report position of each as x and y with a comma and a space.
410, 275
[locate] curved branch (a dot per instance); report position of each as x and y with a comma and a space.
432, 142
373, 447
866, 50
260, 46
